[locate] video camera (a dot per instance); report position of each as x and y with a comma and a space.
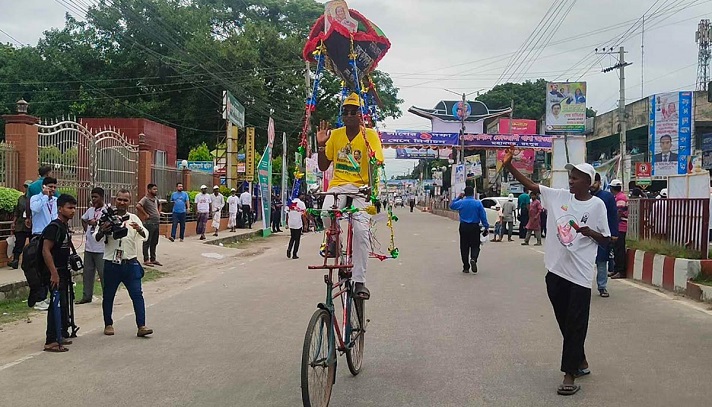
118, 230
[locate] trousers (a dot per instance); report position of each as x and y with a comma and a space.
469, 243
65, 282
149, 245
619, 253
572, 304
247, 216
361, 224
178, 219
202, 221
93, 264
130, 274
536, 233
294, 238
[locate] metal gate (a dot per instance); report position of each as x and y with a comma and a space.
83, 159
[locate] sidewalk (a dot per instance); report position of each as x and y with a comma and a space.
171, 254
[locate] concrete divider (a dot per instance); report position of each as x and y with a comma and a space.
670, 273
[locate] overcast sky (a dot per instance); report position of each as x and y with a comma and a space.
465, 45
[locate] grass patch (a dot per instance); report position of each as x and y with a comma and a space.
245, 243
664, 248
704, 280
17, 309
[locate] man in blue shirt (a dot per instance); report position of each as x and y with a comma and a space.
44, 206
472, 213
603, 255
180, 201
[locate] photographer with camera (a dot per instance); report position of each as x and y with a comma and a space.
56, 251
121, 232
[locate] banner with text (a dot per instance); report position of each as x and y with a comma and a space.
440, 140
670, 133
566, 107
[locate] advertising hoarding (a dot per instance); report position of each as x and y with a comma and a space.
670, 133
566, 107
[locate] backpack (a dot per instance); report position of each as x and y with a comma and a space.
35, 270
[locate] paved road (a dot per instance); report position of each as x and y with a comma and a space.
438, 337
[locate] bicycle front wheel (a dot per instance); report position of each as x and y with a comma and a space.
318, 361
357, 319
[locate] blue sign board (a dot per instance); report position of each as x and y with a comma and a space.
202, 166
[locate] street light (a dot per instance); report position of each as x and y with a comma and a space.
22, 106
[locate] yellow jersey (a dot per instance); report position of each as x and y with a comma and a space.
350, 159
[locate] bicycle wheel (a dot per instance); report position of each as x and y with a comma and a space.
318, 361
354, 355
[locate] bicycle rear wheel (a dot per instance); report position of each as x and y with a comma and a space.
354, 355
318, 361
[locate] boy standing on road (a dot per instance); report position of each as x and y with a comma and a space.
93, 250
202, 202
509, 211
149, 210
55, 254
581, 226
472, 213
295, 222
603, 256
233, 206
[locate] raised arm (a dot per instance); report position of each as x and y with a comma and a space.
526, 182
322, 136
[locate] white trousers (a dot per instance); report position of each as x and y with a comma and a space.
232, 220
216, 220
361, 222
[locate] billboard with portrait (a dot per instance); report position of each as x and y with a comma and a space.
566, 107
670, 133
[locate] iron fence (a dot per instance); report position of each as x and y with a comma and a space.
166, 179
681, 222
198, 178
9, 166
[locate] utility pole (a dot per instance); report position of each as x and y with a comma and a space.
462, 129
622, 119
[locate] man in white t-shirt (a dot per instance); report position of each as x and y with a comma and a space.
581, 225
93, 249
246, 202
295, 222
217, 202
233, 206
202, 201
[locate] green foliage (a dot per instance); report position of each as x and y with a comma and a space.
8, 199
529, 98
200, 152
192, 194
170, 61
663, 247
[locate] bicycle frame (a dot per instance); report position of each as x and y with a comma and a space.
343, 285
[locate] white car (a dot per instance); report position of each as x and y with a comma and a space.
492, 206
399, 201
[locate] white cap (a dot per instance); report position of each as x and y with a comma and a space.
233, 190
663, 192
510, 197
584, 168
203, 186
616, 183
216, 187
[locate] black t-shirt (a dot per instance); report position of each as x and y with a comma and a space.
57, 232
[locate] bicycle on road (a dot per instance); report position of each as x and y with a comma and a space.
325, 334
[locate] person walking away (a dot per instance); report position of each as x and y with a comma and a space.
523, 202
21, 227
202, 202
295, 213
509, 210
534, 225
581, 225
121, 265
351, 149
411, 202
603, 255
499, 226
181, 207
149, 210
276, 212
93, 250
233, 206
619, 251
472, 214
246, 202
56, 248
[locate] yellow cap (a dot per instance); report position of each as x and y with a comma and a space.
352, 100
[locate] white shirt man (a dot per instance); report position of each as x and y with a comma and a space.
217, 202
246, 202
246, 199
295, 211
233, 206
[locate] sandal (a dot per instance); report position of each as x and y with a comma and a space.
55, 348
582, 373
362, 292
568, 389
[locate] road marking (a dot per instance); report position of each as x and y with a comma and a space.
538, 251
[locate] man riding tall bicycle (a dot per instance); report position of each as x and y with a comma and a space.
350, 148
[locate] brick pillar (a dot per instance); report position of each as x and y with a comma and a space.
185, 179
216, 181
145, 165
21, 132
